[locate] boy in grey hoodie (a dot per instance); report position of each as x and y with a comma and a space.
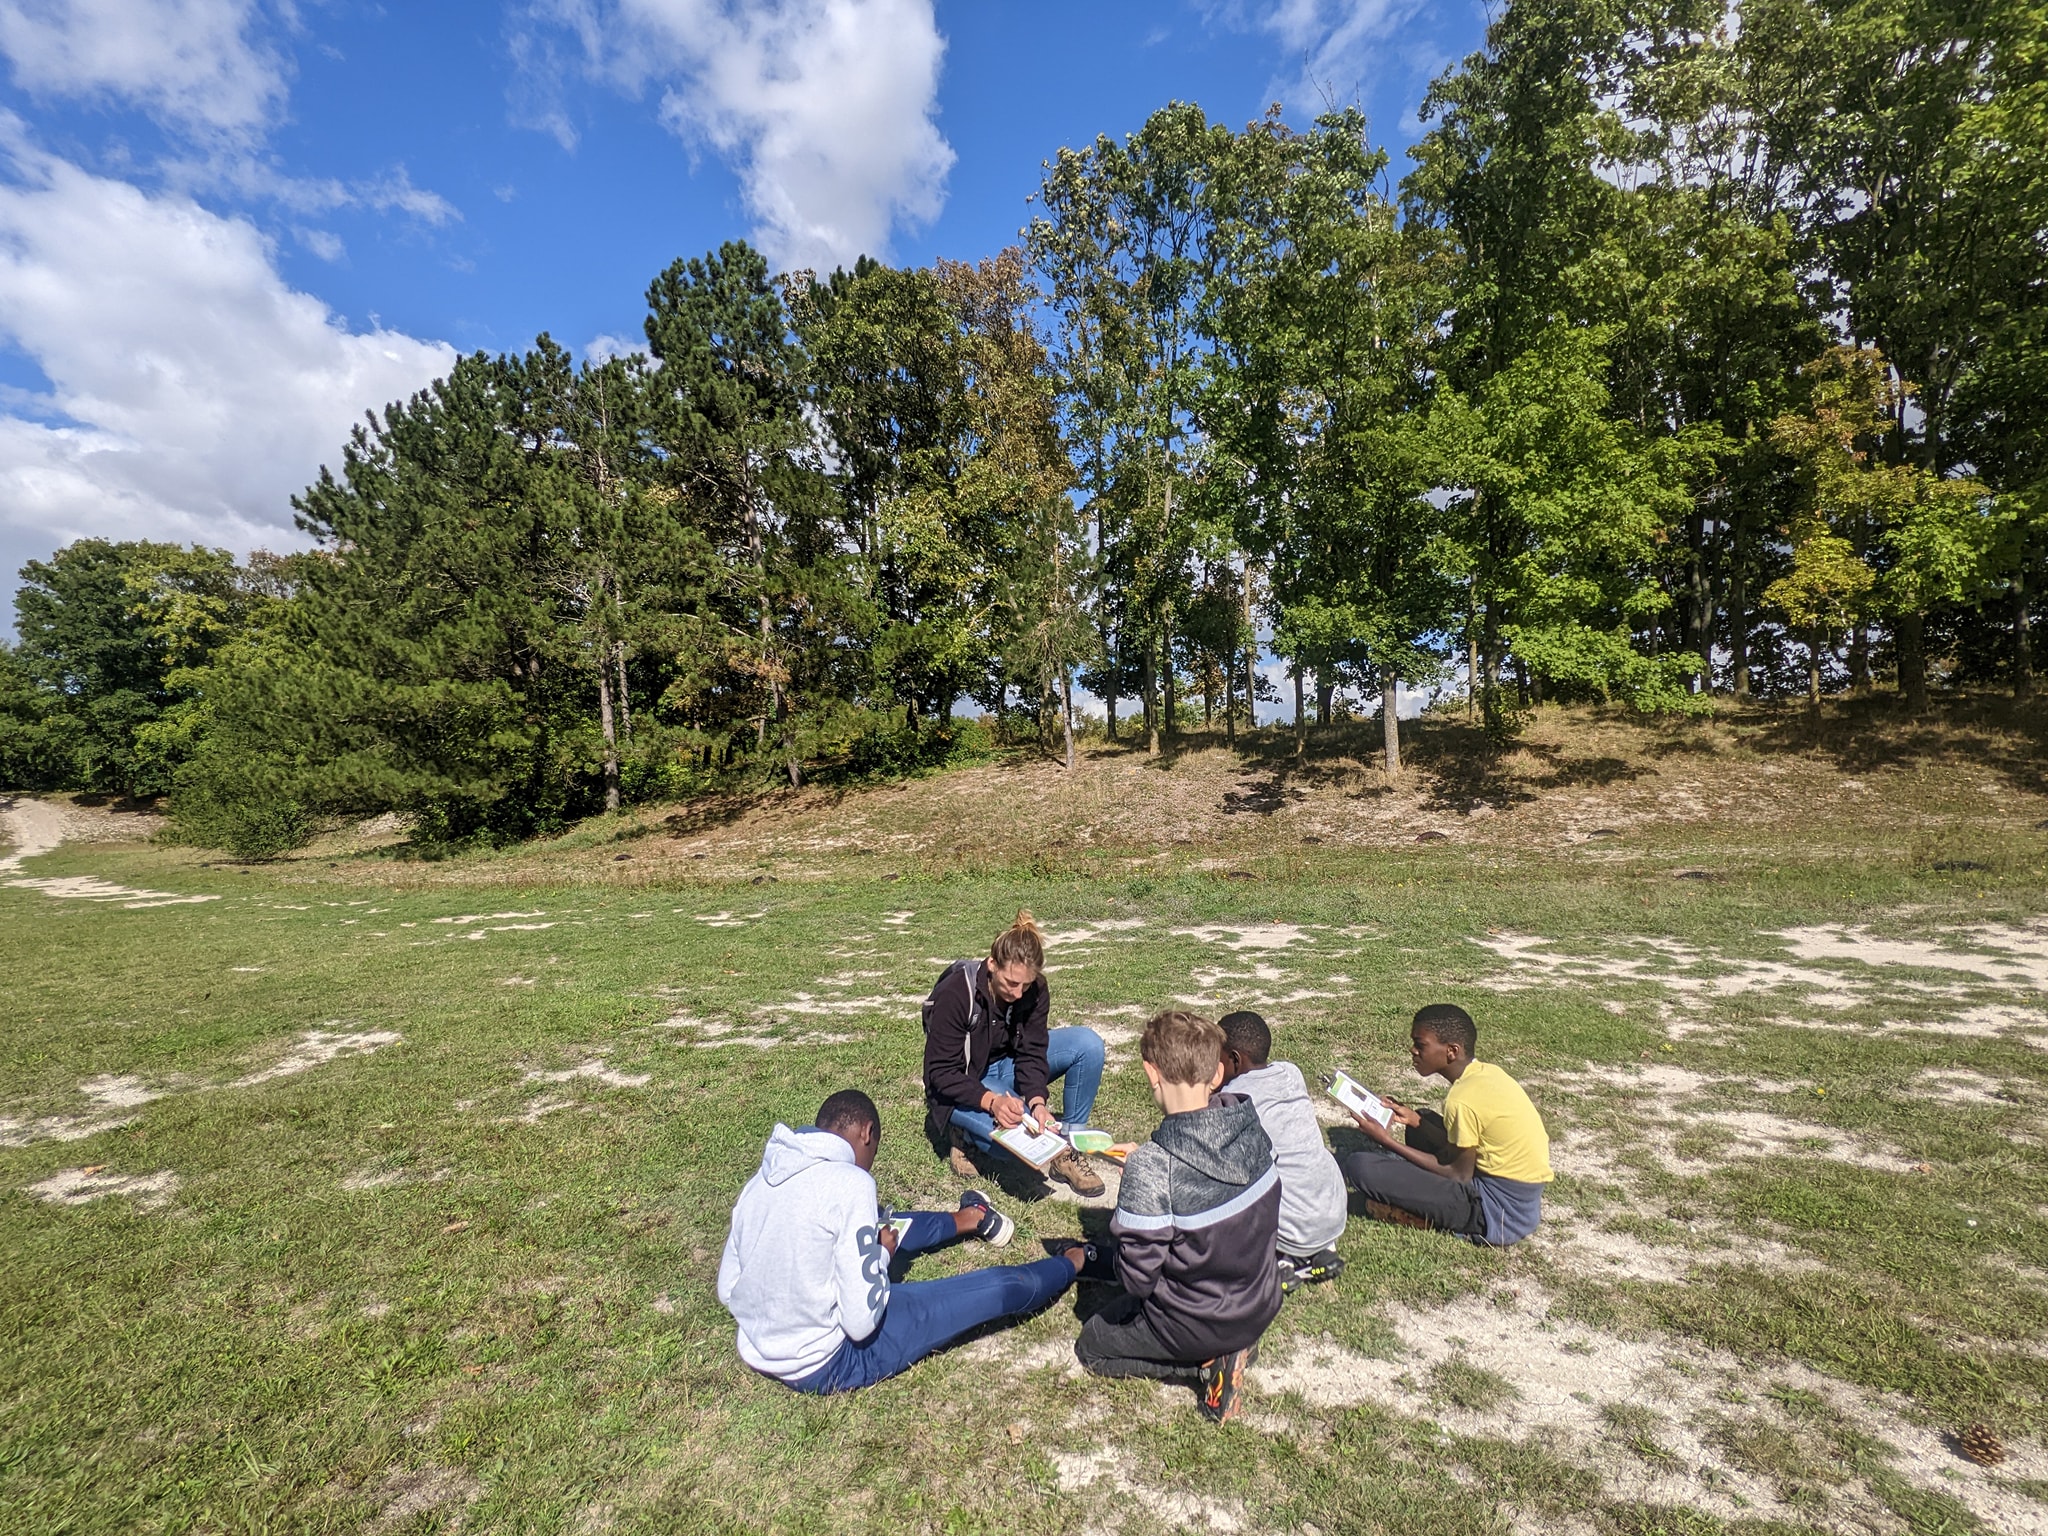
1313, 1204
806, 1267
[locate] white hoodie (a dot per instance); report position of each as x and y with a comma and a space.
803, 1269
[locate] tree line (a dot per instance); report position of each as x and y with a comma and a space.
1699, 352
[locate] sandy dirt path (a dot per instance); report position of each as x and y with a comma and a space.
33, 827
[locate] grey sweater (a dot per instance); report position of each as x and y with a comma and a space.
1313, 1205
1194, 1226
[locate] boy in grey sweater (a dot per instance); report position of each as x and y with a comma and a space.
1313, 1203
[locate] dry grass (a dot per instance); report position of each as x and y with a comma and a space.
1747, 785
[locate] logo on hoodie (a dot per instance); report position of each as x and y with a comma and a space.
874, 1266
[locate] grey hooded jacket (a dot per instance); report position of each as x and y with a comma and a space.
1313, 1205
1195, 1223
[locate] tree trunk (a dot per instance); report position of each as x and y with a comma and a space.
1738, 620
1230, 698
1700, 617
1169, 683
1813, 676
1472, 666
1390, 723
625, 700
1300, 718
1148, 688
611, 740
1067, 713
2022, 636
1251, 656
1912, 643
1323, 693
1859, 658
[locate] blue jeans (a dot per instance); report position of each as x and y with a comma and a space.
924, 1315
1073, 1058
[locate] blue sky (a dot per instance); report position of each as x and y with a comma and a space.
229, 227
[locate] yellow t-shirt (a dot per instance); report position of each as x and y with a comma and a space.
1487, 1109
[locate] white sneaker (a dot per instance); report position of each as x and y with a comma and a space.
996, 1229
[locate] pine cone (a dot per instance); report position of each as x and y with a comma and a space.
1981, 1444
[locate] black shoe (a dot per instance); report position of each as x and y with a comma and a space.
996, 1229
1096, 1263
1223, 1384
1295, 1273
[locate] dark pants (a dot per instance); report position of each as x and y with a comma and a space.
1117, 1341
1386, 1176
925, 1315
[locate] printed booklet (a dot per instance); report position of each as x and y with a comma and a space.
1036, 1147
1358, 1098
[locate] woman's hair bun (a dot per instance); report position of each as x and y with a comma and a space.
1020, 944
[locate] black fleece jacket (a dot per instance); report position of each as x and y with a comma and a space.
964, 1031
1196, 1221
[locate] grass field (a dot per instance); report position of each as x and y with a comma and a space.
368, 1194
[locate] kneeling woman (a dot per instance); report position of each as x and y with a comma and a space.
989, 1059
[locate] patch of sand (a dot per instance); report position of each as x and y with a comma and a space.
805, 1003
22, 1133
1570, 1386
597, 1071
727, 919
485, 917
1960, 1085
373, 1178
1581, 1247
80, 1186
1697, 976
91, 888
1112, 1181
315, 1048
1092, 931
1111, 1472
33, 827
118, 1092
1260, 936
410, 1492
2019, 956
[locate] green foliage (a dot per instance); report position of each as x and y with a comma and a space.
106, 631
1692, 344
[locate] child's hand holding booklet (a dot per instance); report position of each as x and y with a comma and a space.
1358, 1098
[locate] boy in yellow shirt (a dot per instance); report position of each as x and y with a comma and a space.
1479, 1169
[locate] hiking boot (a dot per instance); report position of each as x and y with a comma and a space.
1379, 1210
1223, 1384
1071, 1169
958, 1156
996, 1229
1295, 1273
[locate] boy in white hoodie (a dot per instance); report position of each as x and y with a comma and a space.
1313, 1204
806, 1266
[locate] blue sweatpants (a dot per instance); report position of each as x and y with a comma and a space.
1073, 1059
924, 1315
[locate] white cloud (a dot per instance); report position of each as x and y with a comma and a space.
188, 63
191, 391
824, 108
323, 243
256, 179
604, 347
1331, 41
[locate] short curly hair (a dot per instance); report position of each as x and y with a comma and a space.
1450, 1024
